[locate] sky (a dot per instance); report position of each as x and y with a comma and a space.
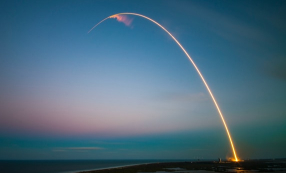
127, 91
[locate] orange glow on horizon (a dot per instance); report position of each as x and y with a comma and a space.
234, 159
120, 19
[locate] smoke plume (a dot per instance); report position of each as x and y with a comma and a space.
122, 18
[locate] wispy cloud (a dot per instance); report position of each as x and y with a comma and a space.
109, 143
76, 149
84, 148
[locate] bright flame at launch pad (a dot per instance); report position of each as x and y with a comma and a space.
121, 19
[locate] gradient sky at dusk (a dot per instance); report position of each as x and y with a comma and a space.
129, 92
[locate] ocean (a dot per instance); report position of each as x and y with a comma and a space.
64, 166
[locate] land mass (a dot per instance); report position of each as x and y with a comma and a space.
249, 166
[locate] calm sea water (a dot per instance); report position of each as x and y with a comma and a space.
64, 166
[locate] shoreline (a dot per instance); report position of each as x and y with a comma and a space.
248, 166
108, 168
113, 168
131, 165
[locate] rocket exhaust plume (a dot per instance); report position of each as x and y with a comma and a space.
120, 18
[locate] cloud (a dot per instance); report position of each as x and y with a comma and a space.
110, 143
76, 149
84, 148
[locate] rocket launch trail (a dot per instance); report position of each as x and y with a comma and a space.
119, 17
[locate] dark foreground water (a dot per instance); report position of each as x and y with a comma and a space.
64, 166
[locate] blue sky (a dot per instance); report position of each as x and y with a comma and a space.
129, 92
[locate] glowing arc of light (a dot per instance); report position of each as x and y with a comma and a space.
197, 69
